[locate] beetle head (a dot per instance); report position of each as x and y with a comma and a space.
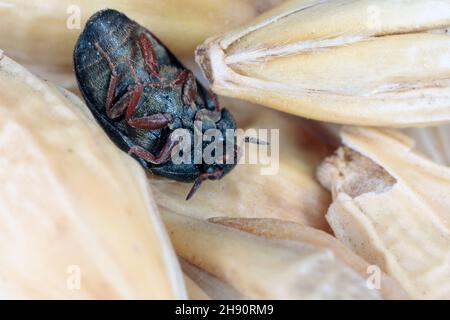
224, 162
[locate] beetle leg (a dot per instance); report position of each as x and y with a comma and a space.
189, 90
181, 78
209, 115
132, 97
187, 80
148, 53
151, 122
154, 121
120, 106
163, 156
212, 115
216, 101
133, 102
184, 78
112, 81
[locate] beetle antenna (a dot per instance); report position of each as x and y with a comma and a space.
255, 141
238, 148
215, 175
195, 187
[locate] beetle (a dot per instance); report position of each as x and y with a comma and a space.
140, 94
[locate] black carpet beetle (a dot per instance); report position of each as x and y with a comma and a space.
140, 94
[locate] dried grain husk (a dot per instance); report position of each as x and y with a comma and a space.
42, 34
433, 142
77, 219
213, 287
261, 268
291, 231
193, 290
391, 207
292, 193
366, 62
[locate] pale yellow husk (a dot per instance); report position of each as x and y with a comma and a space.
291, 231
42, 34
77, 219
367, 62
291, 193
262, 268
391, 206
433, 142
212, 286
193, 290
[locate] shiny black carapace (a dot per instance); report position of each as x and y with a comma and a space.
140, 94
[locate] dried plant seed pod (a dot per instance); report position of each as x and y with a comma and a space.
291, 231
391, 207
433, 142
213, 287
261, 268
193, 290
77, 219
366, 62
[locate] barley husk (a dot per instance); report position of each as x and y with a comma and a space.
390, 206
366, 62
212, 286
77, 220
193, 290
291, 231
432, 142
262, 268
